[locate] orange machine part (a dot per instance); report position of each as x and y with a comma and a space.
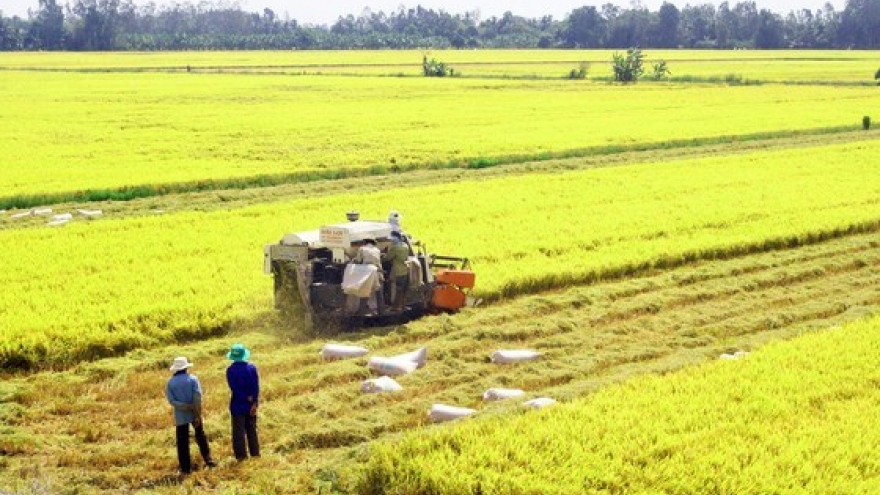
462, 278
448, 297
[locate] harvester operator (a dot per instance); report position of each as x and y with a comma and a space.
398, 276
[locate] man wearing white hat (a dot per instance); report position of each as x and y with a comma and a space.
184, 393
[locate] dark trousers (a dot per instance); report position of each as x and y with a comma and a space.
364, 308
244, 436
183, 457
399, 288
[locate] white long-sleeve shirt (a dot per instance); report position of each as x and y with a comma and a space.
369, 255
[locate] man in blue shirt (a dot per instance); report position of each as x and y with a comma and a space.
184, 393
244, 383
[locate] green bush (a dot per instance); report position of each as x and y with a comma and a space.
628, 68
661, 70
580, 72
866, 122
435, 68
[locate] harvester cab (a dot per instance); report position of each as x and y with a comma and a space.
317, 276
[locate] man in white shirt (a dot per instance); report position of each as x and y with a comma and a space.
369, 254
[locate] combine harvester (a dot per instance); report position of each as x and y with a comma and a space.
316, 277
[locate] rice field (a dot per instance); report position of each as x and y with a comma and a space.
795, 417
317, 427
840, 66
81, 136
154, 279
631, 234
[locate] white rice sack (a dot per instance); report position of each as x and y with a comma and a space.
342, 351
539, 403
502, 393
418, 356
381, 384
41, 211
90, 213
734, 355
514, 356
58, 223
441, 412
390, 366
22, 214
360, 280
62, 217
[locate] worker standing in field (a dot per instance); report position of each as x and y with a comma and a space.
398, 276
184, 393
369, 254
244, 384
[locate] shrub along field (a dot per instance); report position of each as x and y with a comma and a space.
800, 66
622, 231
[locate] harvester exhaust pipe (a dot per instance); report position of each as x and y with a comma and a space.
353, 216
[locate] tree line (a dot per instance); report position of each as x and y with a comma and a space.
97, 25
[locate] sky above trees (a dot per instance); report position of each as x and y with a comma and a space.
327, 11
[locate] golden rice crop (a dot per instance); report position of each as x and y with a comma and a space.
68, 132
794, 417
110, 285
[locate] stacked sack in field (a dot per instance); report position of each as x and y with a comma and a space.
507, 356
60, 219
442, 412
381, 384
332, 352
502, 393
539, 403
733, 355
400, 364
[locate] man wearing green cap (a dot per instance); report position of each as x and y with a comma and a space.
244, 383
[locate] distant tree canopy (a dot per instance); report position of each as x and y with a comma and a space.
121, 25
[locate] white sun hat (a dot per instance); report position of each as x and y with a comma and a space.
180, 363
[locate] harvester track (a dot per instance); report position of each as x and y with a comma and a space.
594, 335
589, 336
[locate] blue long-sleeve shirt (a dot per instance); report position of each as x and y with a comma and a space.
184, 393
244, 383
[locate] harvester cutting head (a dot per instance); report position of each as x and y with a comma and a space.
320, 275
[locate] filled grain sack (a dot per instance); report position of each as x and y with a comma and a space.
342, 351
360, 280
539, 403
502, 393
514, 356
418, 356
441, 412
90, 213
58, 222
734, 355
390, 366
381, 384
